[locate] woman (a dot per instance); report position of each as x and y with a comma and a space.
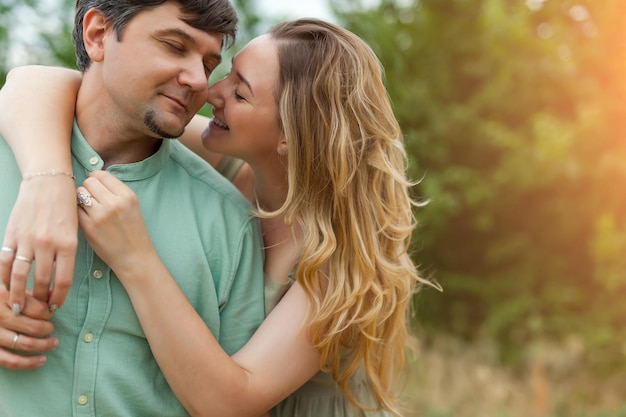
325, 166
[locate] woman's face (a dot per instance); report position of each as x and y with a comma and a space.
245, 112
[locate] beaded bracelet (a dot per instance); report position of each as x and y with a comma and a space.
52, 172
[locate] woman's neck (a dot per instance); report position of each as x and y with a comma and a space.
269, 189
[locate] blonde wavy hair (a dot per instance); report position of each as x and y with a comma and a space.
349, 193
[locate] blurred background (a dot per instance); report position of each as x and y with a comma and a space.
514, 115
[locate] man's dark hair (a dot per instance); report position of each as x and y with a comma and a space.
217, 16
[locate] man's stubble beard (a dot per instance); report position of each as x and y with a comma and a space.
150, 121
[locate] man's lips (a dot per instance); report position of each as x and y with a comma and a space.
180, 102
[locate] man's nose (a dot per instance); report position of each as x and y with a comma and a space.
194, 75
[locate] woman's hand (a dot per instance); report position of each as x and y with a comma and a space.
113, 223
43, 225
28, 333
42, 229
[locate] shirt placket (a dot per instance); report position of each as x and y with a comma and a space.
87, 349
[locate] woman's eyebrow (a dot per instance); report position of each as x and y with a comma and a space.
242, 78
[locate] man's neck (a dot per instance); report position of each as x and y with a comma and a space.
107, 133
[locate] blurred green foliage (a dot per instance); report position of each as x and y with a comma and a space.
514, 118
37, 29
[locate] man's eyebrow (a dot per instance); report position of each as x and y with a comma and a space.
243, 79
177, 32
181, 33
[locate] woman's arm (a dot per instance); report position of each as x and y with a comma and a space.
37, 109
27, 122
274, 363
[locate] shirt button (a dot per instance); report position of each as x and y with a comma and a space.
82, 400
97, 274
88, 338
94, 160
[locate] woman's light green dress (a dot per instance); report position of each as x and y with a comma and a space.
320, 396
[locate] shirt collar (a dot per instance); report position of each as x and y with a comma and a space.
91, 161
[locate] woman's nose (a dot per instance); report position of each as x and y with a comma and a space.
215, 94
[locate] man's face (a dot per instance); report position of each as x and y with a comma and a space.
157, 75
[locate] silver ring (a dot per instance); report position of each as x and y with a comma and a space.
23, 259
17, 336
84, 199
7, 249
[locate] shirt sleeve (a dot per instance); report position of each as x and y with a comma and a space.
243, 311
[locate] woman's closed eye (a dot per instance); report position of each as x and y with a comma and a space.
237, 95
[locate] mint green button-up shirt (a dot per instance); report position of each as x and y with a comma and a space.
204, 233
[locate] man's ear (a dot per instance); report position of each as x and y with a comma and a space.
95, 29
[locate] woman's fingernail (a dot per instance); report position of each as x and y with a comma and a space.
16, 309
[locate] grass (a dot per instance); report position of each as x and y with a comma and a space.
450, 378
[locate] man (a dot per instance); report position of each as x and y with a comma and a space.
146, 66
